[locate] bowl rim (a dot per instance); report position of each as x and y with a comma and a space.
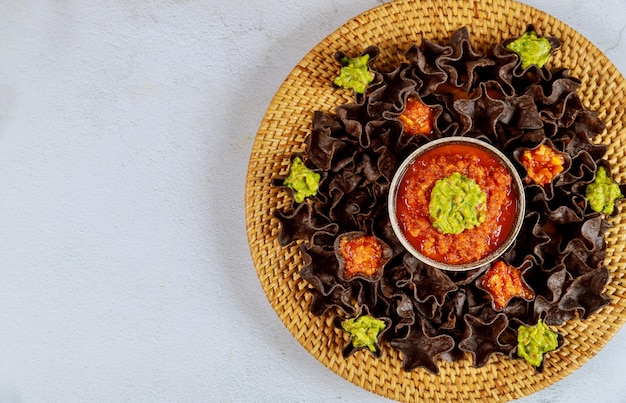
517, 185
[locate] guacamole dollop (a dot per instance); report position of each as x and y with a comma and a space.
457, 203
355, 74
363, 331
303, 181
534, 341
531, 49
602, 193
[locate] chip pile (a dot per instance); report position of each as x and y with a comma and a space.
430, 314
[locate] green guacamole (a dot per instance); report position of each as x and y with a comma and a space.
457, 203
603, 192
534, 341
531, 49
302, 180
355, 74
363, 331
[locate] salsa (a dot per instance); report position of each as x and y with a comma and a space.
416, 118
363, 255
505, 282
414, 197
542, 164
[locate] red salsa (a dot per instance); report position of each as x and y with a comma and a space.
505, 282
417, 117
362, 255
542, 164
414, 191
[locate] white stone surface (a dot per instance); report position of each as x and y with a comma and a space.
125, 131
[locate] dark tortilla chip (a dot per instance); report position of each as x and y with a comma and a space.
429, 282
453, 310
479, 115
326, 139
592, 232
404, 308
518, 309
302, 223
393, 281
500, 70
521, 112
463, 61
467, 277
420, 350
320, 268
339, 297
388, 97
547, 304
483, 338
580, 262
585, 160
532, 238
422, 71
557, 207
349, 209
554, 93
585, 294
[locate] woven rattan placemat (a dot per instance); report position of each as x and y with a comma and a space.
287, 121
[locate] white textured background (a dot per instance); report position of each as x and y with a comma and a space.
125, 131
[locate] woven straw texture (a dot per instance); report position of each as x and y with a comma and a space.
393, 26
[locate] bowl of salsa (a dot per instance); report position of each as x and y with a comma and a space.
456, 203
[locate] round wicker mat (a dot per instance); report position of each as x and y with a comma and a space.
394, 26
